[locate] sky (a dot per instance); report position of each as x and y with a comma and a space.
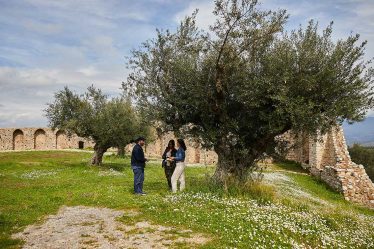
48, 44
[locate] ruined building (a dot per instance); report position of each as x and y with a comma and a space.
47, 139
39, 139
326, 158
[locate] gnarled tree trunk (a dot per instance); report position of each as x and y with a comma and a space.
233, 166
99, 151
236, 163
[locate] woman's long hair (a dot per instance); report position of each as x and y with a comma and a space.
172, 143
182, 144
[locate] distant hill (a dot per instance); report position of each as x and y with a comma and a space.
361, 133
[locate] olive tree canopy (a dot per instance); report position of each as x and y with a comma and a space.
108, 122
246, 81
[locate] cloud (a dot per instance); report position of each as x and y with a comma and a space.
47, 44
44, 28
370, 113
27, 77
205, 16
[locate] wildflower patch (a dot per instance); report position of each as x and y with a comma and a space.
242, 222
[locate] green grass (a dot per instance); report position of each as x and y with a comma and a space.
289, 166
36, 184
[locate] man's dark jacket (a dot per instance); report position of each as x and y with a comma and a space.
137, 156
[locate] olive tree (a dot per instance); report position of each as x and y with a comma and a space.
108, 122
245, 81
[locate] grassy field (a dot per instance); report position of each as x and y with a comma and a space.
289, 209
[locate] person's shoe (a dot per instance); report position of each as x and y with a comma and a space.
143, 193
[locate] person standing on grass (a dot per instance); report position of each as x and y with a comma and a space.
169, 165
137, 164
178, 174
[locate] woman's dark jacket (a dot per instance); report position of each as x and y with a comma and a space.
173, 154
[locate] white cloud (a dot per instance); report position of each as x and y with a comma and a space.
109, 9
370, 113
34, 77
205, 16
44, 28
46, 44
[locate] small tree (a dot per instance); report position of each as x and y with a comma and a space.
109, 123
247, 81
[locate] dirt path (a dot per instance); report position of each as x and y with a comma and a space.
90, 227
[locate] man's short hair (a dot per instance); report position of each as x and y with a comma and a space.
139, 139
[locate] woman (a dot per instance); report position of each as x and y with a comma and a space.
179, 169
169, 165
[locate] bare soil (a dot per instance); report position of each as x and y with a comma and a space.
91, 227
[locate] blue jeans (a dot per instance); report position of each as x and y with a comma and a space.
138, 179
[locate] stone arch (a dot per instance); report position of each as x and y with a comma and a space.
40, 138
18, 140
61, 140
81, 145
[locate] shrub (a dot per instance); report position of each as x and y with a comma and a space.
365, 156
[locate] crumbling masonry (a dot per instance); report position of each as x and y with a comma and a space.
328, 159
47, 139
40, 139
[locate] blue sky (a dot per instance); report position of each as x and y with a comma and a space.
45, 44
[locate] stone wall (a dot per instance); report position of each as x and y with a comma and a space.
39, 139
194, 154
47, 139
327, 158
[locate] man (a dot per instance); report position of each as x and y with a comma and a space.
137, 164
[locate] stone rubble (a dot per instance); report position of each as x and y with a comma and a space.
327, 158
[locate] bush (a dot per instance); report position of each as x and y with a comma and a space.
365, 156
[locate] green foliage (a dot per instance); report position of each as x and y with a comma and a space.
289, 166
365, 156
109, 123
247, 81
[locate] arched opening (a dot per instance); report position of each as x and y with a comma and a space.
61, 140
81, 145
40, 138
18, 140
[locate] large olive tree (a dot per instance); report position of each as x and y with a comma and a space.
108, 122
246, 81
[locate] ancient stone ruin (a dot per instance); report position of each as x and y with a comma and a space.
47, 139
40, 139
194, 155
327, 158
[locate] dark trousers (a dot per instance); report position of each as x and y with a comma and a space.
168, 173
138, 179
